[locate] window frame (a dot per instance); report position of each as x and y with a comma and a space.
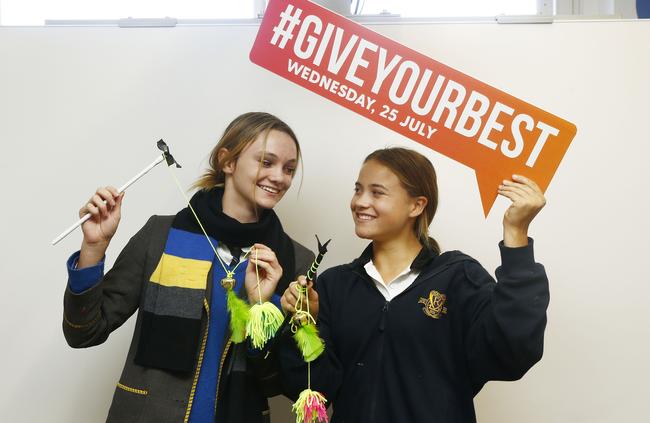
544, 8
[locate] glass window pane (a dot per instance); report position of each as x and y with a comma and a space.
35, 12
449, 8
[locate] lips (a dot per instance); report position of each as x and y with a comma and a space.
363, 217
269, 189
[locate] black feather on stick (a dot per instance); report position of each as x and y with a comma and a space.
322, 249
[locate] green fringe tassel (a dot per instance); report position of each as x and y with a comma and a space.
265, 319
310, 344
240, 313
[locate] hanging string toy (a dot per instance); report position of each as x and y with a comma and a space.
238, 308
310, 406
260, 322
303, 324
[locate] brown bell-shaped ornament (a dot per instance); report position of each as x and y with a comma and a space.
228, 283
300, 319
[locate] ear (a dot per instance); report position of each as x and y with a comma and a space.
418, 205
228, 167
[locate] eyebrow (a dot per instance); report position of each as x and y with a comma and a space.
266, 154
373, 185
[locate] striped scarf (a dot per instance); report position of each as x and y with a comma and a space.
176, 290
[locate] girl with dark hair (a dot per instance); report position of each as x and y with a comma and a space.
412, 334
182, 365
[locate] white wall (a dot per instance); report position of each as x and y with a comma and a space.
81, 107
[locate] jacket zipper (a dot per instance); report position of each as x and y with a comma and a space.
382, 327
382, 324
198, 364
223, 359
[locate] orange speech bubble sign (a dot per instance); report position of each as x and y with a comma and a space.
493, 132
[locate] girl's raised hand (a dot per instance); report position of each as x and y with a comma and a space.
105, 210
290, 297
269, 271
527, 200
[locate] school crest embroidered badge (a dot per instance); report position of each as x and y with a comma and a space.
434, 306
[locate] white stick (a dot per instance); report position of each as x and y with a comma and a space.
122, 188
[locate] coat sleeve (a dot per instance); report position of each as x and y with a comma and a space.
504, 322
90, 316
326, 371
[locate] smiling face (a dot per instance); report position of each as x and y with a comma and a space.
382, 209
260, 176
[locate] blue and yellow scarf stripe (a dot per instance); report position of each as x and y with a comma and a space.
173, 302
177, 285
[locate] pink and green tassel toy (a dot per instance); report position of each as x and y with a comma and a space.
310, 406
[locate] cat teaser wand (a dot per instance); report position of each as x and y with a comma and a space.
166, 156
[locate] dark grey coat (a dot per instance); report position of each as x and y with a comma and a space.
152, 395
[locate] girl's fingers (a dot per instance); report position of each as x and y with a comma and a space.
266, 255
92, 209
513, 196
269, 258
293, 291
290, 300
113, 191
262, 247
266, 266
94, 212
527, 193
313, 295
102, 203
262, 255
516, 185
516, 190
99, 203
528, 182
118, 201
287, 305
106, 196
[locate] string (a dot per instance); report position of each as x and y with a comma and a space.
308, 363
257, 275
299, 314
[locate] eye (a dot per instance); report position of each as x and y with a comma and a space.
356, 189
266, 163
377, 193
290, 170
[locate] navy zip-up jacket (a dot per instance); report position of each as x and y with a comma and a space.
424, 355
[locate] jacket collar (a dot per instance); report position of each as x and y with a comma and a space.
424, 257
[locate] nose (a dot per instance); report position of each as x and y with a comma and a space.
279, 176
360, 200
